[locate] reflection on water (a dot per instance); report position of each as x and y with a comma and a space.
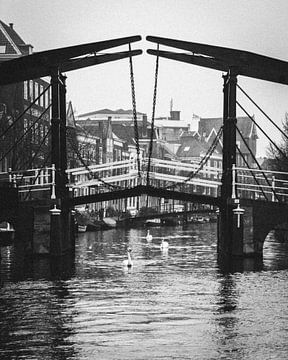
174, 304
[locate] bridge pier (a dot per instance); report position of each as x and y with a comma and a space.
232, 232
62, 234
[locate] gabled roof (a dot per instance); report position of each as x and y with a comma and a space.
191, 147
11, 43
70, 118
244, 124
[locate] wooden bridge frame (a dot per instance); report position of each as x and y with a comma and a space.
232, 239
54, 63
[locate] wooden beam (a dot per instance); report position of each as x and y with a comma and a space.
221, 58
65, 59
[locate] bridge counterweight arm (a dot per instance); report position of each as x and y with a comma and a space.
40, 64
221, 58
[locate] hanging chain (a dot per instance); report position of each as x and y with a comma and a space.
153, 115
202, 162
136, 134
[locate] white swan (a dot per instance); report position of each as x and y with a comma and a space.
164, 245
148, 236
128, 262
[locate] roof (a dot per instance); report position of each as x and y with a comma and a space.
191, 147
70, 118
110, 112
172, 123
10, 42
244, 124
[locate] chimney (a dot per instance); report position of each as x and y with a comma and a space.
100, 127
11, 26
144, 126
174, 115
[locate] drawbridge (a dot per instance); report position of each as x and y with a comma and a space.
236, 191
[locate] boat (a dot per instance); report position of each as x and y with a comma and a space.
110, 222
82, 228
153, 222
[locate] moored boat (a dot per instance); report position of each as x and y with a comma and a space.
82, 228
110, 222
153, 222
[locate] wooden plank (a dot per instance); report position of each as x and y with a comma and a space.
221, 58
40, 64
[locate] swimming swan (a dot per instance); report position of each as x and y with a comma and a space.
148, 236
164, 245
128, 262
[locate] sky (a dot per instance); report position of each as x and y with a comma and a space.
258, 26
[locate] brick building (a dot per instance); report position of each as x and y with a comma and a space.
29, 130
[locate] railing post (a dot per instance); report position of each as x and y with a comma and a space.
233, 196
14, 180
10, 175
273, 188
53, 175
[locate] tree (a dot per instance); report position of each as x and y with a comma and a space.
278, 156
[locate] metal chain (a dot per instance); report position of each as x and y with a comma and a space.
153, 115
92, 175
203, 161
136, 133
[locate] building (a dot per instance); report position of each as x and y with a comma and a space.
209, 127
24, 111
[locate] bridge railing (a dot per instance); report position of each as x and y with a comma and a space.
167, 171
31, 183
260, 184
105, 170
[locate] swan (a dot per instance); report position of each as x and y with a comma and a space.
148, 236
128, 262
164, 245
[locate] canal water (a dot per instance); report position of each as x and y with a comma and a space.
174, 304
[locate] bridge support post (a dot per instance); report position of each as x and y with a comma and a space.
55, 232
61, 226
226, 230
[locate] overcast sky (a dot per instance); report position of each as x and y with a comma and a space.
259, 26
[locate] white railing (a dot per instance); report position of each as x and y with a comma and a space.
31, 180
247, 183
166, 171
255, 184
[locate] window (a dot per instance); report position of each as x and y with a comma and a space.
41, 132
36, 91
26, 90
186, 148
42, 97
31, 90
26, 125
47, 98
2, 49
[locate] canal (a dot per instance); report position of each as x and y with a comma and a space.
174, 304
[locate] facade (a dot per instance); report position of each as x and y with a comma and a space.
209, 127
173, 139
27, 129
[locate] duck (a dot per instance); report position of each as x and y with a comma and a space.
128, 262
148, 236
164, 245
